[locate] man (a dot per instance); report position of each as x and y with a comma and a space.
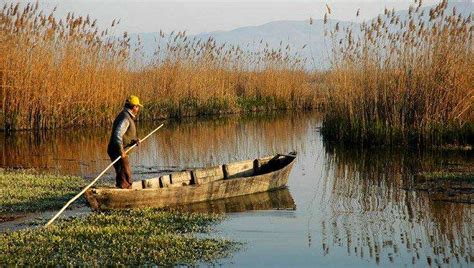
124, 135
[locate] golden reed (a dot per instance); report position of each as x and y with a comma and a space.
403, 80
67, 72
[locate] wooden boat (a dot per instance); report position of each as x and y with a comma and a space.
191, 186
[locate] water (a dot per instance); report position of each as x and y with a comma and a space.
342, 207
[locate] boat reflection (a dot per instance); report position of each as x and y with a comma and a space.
274, 200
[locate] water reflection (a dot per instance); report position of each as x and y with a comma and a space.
274, 200
353, 206
376, 216
179, 145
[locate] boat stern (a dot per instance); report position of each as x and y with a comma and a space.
91, 199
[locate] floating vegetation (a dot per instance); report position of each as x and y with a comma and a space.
439, 176
26, 191
136, 237
452, 186
403, 79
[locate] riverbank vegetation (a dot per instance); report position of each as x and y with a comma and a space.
398, 79
61, 72
136, 237
403, 79
28, 191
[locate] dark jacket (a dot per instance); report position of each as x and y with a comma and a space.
124, 133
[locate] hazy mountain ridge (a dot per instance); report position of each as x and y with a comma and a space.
294, 33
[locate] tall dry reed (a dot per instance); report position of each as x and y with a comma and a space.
67, 72
406, 80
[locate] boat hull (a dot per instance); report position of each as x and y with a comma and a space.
113, 198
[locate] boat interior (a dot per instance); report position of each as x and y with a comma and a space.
248, 168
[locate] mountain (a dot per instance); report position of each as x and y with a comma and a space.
277, 34
282, 33
296, 34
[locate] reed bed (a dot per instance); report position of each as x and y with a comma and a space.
62, 72
402, 80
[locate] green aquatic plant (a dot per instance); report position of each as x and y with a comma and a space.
132, 237
27, 191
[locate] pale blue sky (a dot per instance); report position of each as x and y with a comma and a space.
204, 16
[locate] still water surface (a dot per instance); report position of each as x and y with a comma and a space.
342, 207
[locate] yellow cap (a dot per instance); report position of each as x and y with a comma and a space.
133, 100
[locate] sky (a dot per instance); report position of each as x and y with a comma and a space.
139, 16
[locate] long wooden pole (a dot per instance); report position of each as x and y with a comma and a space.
97, 178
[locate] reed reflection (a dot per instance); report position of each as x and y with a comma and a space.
180, 145
373, 214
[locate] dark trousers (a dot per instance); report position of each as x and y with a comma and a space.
123, 178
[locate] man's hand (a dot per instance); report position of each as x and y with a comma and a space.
137, 142
123, 155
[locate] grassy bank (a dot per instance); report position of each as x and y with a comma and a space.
60, 72
26, 191
139, 237
402, 79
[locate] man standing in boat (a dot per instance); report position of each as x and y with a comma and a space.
124, 135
